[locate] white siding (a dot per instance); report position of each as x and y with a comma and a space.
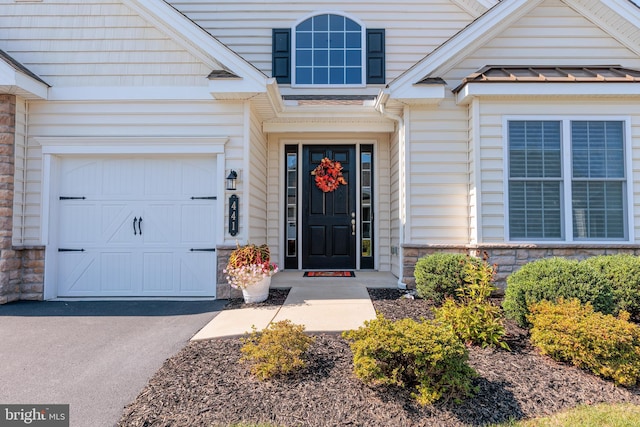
258, 170
383, 232
552, 34
492, 152
131, 119
275, 199
394, 202
20, 155
413, 27
438, 191
94, 43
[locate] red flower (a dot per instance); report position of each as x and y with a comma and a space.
328, 175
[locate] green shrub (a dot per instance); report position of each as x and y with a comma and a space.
440, 274
623, 273
474, 318
552, 278
603, 344
423, 355
277, 350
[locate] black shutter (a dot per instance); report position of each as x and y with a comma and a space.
281, 55
375, 56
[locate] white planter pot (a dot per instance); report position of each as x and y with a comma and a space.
258, 292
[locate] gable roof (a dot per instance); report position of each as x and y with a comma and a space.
17, 79
498, 18
200, 43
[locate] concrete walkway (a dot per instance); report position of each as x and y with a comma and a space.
321, 304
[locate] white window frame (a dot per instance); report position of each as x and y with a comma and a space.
567, 235
363, 52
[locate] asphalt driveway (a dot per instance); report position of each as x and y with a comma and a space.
94, 356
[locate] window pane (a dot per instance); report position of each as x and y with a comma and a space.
336, 23
534, 149
336, 76
305, 25
598, 210
534, 209
304, 57
321, 40
321, 23
336, 59
320, 76
321, 58
303, 75
304, 40
597, 149
354, 76
354, 58
336, 40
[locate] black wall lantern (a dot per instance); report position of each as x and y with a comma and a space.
231, 180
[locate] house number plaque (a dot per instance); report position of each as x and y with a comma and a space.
233, 214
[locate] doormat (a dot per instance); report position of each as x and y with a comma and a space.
329, 274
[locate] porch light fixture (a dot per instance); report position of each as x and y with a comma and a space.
231, 180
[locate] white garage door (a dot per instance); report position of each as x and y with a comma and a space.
136, 227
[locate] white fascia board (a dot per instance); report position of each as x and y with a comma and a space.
465, 42
234, 89
420, 94
127, 93
19, 83
472, 90
197, 41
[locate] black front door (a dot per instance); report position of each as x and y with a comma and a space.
328, 218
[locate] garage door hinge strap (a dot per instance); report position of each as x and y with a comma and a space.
203, 250
204, 198
70, 250
72, 198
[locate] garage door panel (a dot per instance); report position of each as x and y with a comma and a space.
117, 225
197, 272
117, 193
117, 272
158, 275
79, 272
80, 225
197, 224
159, 224
198, 178
79, 176
162, 178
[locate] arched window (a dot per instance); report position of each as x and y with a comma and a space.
328, 51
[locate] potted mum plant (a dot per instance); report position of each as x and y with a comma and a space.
249, 269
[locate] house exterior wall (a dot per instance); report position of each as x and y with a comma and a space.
395, 219
552, 34
96, 43
20, 166
258, 170
437, 145
413, 29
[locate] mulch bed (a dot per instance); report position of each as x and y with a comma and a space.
205, 385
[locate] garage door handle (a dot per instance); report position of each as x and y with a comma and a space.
70, 250
203, 250
140, 226
135, 221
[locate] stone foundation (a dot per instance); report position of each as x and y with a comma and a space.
509, 258
223, 289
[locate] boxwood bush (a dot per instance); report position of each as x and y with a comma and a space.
439, 275
553, 278
623, 273
571, 332
426, 356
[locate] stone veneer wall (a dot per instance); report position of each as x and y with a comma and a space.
223, 289
509, 258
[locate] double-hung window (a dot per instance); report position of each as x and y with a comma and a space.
567, 180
